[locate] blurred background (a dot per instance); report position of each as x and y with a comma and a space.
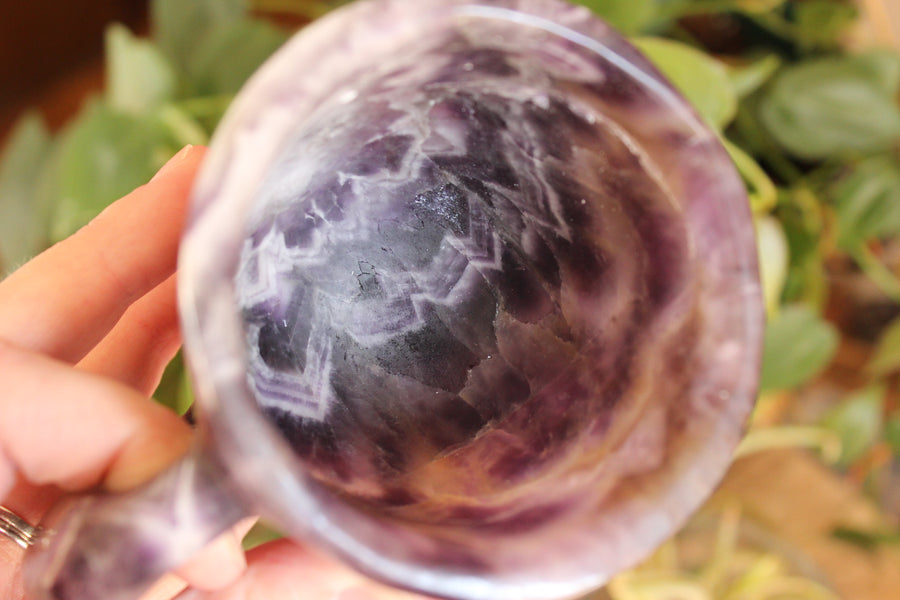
96, 94
51, 52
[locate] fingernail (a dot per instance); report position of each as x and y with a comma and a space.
174, 161
217, 566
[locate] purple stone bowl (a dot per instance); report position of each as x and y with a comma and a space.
470, 299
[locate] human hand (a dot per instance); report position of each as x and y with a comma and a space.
86, 329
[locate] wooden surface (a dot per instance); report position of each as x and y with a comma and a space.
881, 25
49, 49
793, 494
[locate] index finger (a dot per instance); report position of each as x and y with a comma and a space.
66, 299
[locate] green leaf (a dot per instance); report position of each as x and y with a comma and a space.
703, 80
104, 155
139, 78
178, 25
773, 260
761, 191
866, 539
825, 107
886, 358
46, 190
858, 421
23, 218
801, 216
752, 6
261, 533
169, 388
309, 9
752, 137
229, 54
204, 111
628, 16
878, 273
892, 432
748, 78
821, 23
882, 68
182, 127
174, 389
867, 201
675, 9
798, 345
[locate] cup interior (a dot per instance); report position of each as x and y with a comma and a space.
471, 296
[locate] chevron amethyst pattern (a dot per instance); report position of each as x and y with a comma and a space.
459, 284
498, 291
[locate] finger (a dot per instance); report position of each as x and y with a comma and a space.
142, 343
31, 503
65, 300
62, 426
281, 570
166, 588
7, 474
221, 563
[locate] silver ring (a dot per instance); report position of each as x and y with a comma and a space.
17, 529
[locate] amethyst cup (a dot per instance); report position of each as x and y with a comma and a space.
470, 300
